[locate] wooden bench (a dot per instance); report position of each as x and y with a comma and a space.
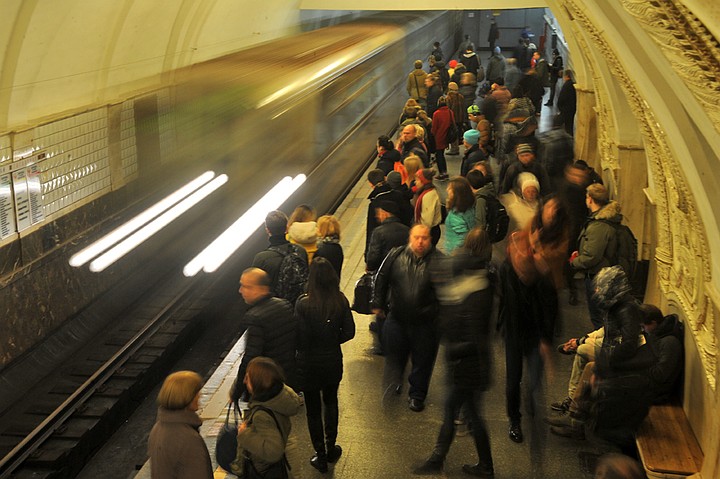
667, 445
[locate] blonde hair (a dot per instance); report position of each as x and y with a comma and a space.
412, 164
179, 389
412, 103
419, 132
328, 225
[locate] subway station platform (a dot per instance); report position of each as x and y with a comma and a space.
388, 441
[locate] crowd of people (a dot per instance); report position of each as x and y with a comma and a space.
522, 219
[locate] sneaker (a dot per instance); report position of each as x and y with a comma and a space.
561, 406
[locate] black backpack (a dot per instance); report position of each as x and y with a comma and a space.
626, 250
292, 275
496, 218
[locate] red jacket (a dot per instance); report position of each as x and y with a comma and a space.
442, 119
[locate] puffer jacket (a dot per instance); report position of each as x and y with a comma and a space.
304, 234
261, 439
271, 332
597, 244
457, 226
402, 285
622, 330
481, 204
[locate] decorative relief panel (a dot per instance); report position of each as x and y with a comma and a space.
682, 253
687, 44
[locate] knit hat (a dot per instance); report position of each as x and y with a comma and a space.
526, 180
418, 64
497, 50
473, 110
452, 86
394, 179
389, 206
472, 137
524, 148
452, 63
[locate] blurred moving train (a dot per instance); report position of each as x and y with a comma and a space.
313, 103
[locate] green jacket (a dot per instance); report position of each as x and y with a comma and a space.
597, 244
262, 439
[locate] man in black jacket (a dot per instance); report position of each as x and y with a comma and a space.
411, 308
270, 328
567, 101
269, 259
390, 234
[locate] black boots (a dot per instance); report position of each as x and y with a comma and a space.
321, 459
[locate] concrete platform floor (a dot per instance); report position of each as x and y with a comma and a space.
388, 441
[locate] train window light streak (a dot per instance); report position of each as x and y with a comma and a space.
220, 249
288, 89
131, 242
116, 235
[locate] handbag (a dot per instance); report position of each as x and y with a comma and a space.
226, 442
277, 470
363, 294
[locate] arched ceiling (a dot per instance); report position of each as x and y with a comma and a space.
61, 57
57, 57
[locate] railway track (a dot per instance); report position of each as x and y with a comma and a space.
57, 426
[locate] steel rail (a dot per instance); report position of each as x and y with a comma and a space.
54, 421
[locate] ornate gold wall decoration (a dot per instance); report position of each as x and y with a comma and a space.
687, 44
682, 253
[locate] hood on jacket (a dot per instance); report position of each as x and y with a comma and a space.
418, 73
286, 402
488, 189
303, 232
469, 54
610, 212
611, 285
668, 327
